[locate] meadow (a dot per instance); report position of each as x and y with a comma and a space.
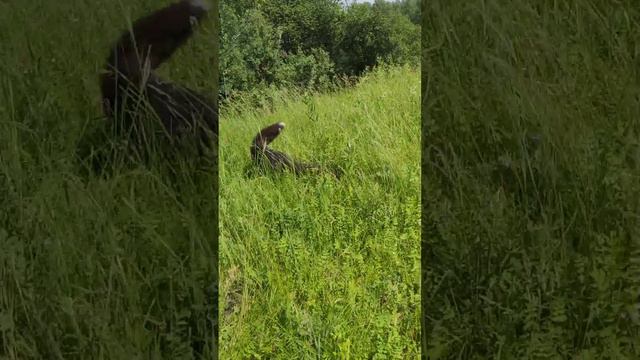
312, 267
532, 180
120, 265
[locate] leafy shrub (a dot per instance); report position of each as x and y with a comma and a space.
310, 44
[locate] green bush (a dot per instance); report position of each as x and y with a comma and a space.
310, 44
250, 51
313, 70
305, 24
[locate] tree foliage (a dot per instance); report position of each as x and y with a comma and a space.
310, 44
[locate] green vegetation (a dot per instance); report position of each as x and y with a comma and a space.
532, 180
123, 265
91, 267
312, 266
311, 44
317, 268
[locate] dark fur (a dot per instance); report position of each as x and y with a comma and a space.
129, 85
262, 154
129, 75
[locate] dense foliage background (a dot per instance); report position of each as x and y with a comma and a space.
312, 43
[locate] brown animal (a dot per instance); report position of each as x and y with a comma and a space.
129, 78
261, 153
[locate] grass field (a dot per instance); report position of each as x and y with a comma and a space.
117, 267
317, 268
532, 176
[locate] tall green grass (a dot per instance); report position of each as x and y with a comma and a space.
532, 173
95, 267
311, 266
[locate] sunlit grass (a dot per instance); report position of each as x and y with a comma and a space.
311, 266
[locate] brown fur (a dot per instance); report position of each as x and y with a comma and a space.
129, 75
261, 152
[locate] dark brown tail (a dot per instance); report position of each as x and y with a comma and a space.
149, 43
261, 153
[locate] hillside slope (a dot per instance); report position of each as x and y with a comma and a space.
312, 266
